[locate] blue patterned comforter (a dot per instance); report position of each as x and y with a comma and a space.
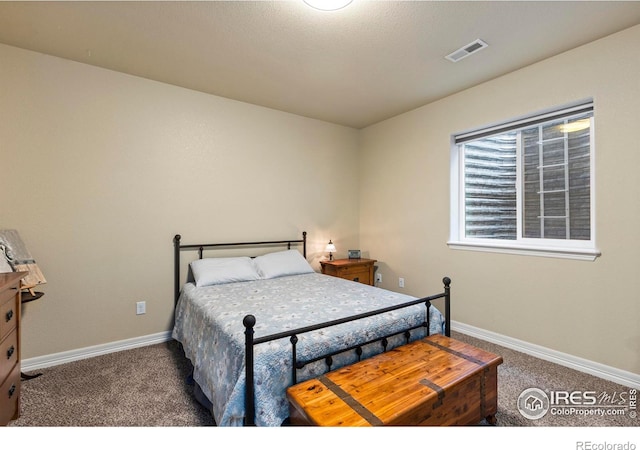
208, 324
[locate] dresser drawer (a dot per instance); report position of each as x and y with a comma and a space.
7, 294
8, 354
10, 397
8, 311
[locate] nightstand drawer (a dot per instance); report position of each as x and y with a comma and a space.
359, 273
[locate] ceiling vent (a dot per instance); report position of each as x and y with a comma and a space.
467, 50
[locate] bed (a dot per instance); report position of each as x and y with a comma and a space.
252, 326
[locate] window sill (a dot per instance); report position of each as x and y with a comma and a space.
548, 252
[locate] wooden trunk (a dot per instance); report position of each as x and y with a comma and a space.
433, 381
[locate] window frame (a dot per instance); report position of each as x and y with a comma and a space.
546, 247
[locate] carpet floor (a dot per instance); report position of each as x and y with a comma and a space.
146, 387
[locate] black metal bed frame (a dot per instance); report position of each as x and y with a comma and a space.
249, 321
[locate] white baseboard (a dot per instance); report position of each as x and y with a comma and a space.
622, 377
55, 359
583, 365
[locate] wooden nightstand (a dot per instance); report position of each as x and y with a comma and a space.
360, 270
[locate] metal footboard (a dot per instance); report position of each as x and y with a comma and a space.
249, 322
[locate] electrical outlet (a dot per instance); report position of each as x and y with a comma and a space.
378, 278
401, 282
141, 308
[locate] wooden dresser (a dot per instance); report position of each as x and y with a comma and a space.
10, 346
360, 270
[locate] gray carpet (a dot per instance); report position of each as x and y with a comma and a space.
520, 371
146, 387
143, 387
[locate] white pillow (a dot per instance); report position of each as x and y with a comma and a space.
210, 271
279, 264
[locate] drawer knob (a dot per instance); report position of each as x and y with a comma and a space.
12, 390
10, 352
9, 315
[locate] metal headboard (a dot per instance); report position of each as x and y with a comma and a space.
202, 247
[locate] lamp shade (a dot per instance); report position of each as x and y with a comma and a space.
331, 248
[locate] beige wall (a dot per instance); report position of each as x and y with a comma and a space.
586, 309
99, 171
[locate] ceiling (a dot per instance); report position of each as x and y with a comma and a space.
357, 66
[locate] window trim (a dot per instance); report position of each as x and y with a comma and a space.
554, 248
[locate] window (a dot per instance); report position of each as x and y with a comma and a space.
526, 186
